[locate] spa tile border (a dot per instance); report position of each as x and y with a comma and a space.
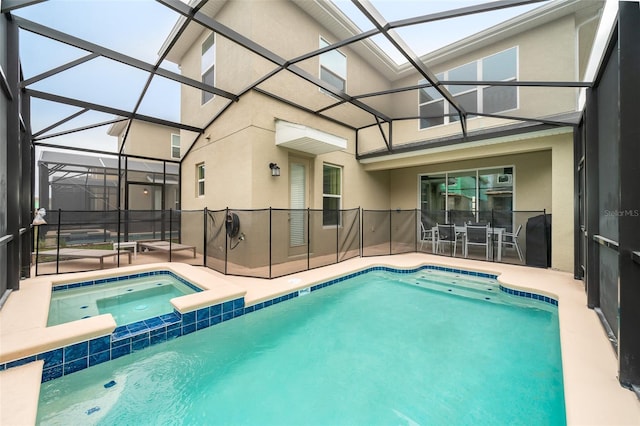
142, 334
108, 280
130, 338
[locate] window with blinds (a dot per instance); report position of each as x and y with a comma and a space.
298, 200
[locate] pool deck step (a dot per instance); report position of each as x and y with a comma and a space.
459, 284
458, 290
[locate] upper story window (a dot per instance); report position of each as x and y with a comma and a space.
208, 65
175, 146
331, 194
200, 179
333, 67
502, 66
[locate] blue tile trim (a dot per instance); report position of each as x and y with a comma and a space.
529, 295
127, 277
129, 338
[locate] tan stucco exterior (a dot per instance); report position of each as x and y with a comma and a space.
240, 144
543, 168
241, 153
145, 139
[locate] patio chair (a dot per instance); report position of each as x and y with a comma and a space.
446, 234
426, 235
510, 240
476, 234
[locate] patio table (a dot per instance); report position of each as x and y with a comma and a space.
496, 233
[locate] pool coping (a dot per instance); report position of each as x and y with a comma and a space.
592, 392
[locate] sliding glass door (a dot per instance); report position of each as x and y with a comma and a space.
481, 195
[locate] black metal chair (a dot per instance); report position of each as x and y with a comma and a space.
510, 239
446, 234
477, 234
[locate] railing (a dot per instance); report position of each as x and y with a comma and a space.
269, 243
606, 242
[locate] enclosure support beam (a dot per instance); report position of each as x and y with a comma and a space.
629, 214
118, 57
109, 110
13, 156
26, 189
265, 53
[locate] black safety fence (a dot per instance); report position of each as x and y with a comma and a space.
386, 232
75, 241
509, 236
269, 243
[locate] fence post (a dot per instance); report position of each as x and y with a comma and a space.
390, 231
359, 233
226, 242
361, 213
118, 238
308, 238
170, 231
338, 217
270, 242
204, 247
37, 248
546, 237
416, 232
58, 242
494, 246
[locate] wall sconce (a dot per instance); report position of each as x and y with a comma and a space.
145, 191
275, 170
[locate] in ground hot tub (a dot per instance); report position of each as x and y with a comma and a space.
127, 298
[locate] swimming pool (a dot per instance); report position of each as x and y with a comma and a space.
379, 348
127, 298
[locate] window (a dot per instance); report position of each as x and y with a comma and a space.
502, 66
478, 195
466, 96
207, 65
175, 146
333, 67
200, 179
331, 194
431, 106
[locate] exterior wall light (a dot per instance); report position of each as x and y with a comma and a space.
275, 170
145, 191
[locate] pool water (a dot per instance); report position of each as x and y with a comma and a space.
380, 348
128, 300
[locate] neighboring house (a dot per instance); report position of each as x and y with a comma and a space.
148, 140
84, 182
502, 164
149, 184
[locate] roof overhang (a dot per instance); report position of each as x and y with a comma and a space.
415, 154
307, 139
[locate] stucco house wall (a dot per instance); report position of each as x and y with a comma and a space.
239, 146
